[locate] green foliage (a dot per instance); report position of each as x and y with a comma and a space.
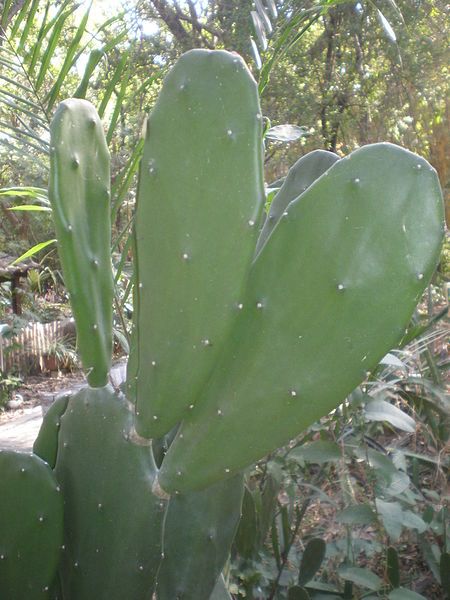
8, 383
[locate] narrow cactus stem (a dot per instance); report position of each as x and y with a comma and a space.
79, 191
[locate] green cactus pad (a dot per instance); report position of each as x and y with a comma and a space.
198, 531
330, 293
199, 205
46, 443
246, 539
31, 527
301, 175
221, 592
112, 520
80, 197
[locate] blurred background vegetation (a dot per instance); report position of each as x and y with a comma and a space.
347, 73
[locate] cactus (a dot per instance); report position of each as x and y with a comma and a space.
233, 352
200, 182
301, 175
312, 327
79, 193
31, 527
46, 444
220, 592
112, 550
198, 531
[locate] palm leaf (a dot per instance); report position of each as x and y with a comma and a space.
5, 15
123, 181
52, 44
30, 208
117, 75
34, 250
118, 105
94, 58
35, 52
68, 62
29, 59
31, 6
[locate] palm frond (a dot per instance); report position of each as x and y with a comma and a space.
69, 60
34, 77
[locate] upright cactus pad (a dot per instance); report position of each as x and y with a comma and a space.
112, 521
31, 527
198, 210
46, 444
198, 531
220, 592
80, 197
301, 175
329, 294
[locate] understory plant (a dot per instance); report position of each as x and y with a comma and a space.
360, 496
247, 328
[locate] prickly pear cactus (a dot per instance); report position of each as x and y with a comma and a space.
301, 175
79, 193
198, 531
199, 204
46, 444
112, 521
31, 527
235, 350
221, 592
330, 293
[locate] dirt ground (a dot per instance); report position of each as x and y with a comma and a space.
41, 391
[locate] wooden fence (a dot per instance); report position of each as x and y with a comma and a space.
35, 347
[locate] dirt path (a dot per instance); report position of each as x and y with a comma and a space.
20, 432
19, 428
